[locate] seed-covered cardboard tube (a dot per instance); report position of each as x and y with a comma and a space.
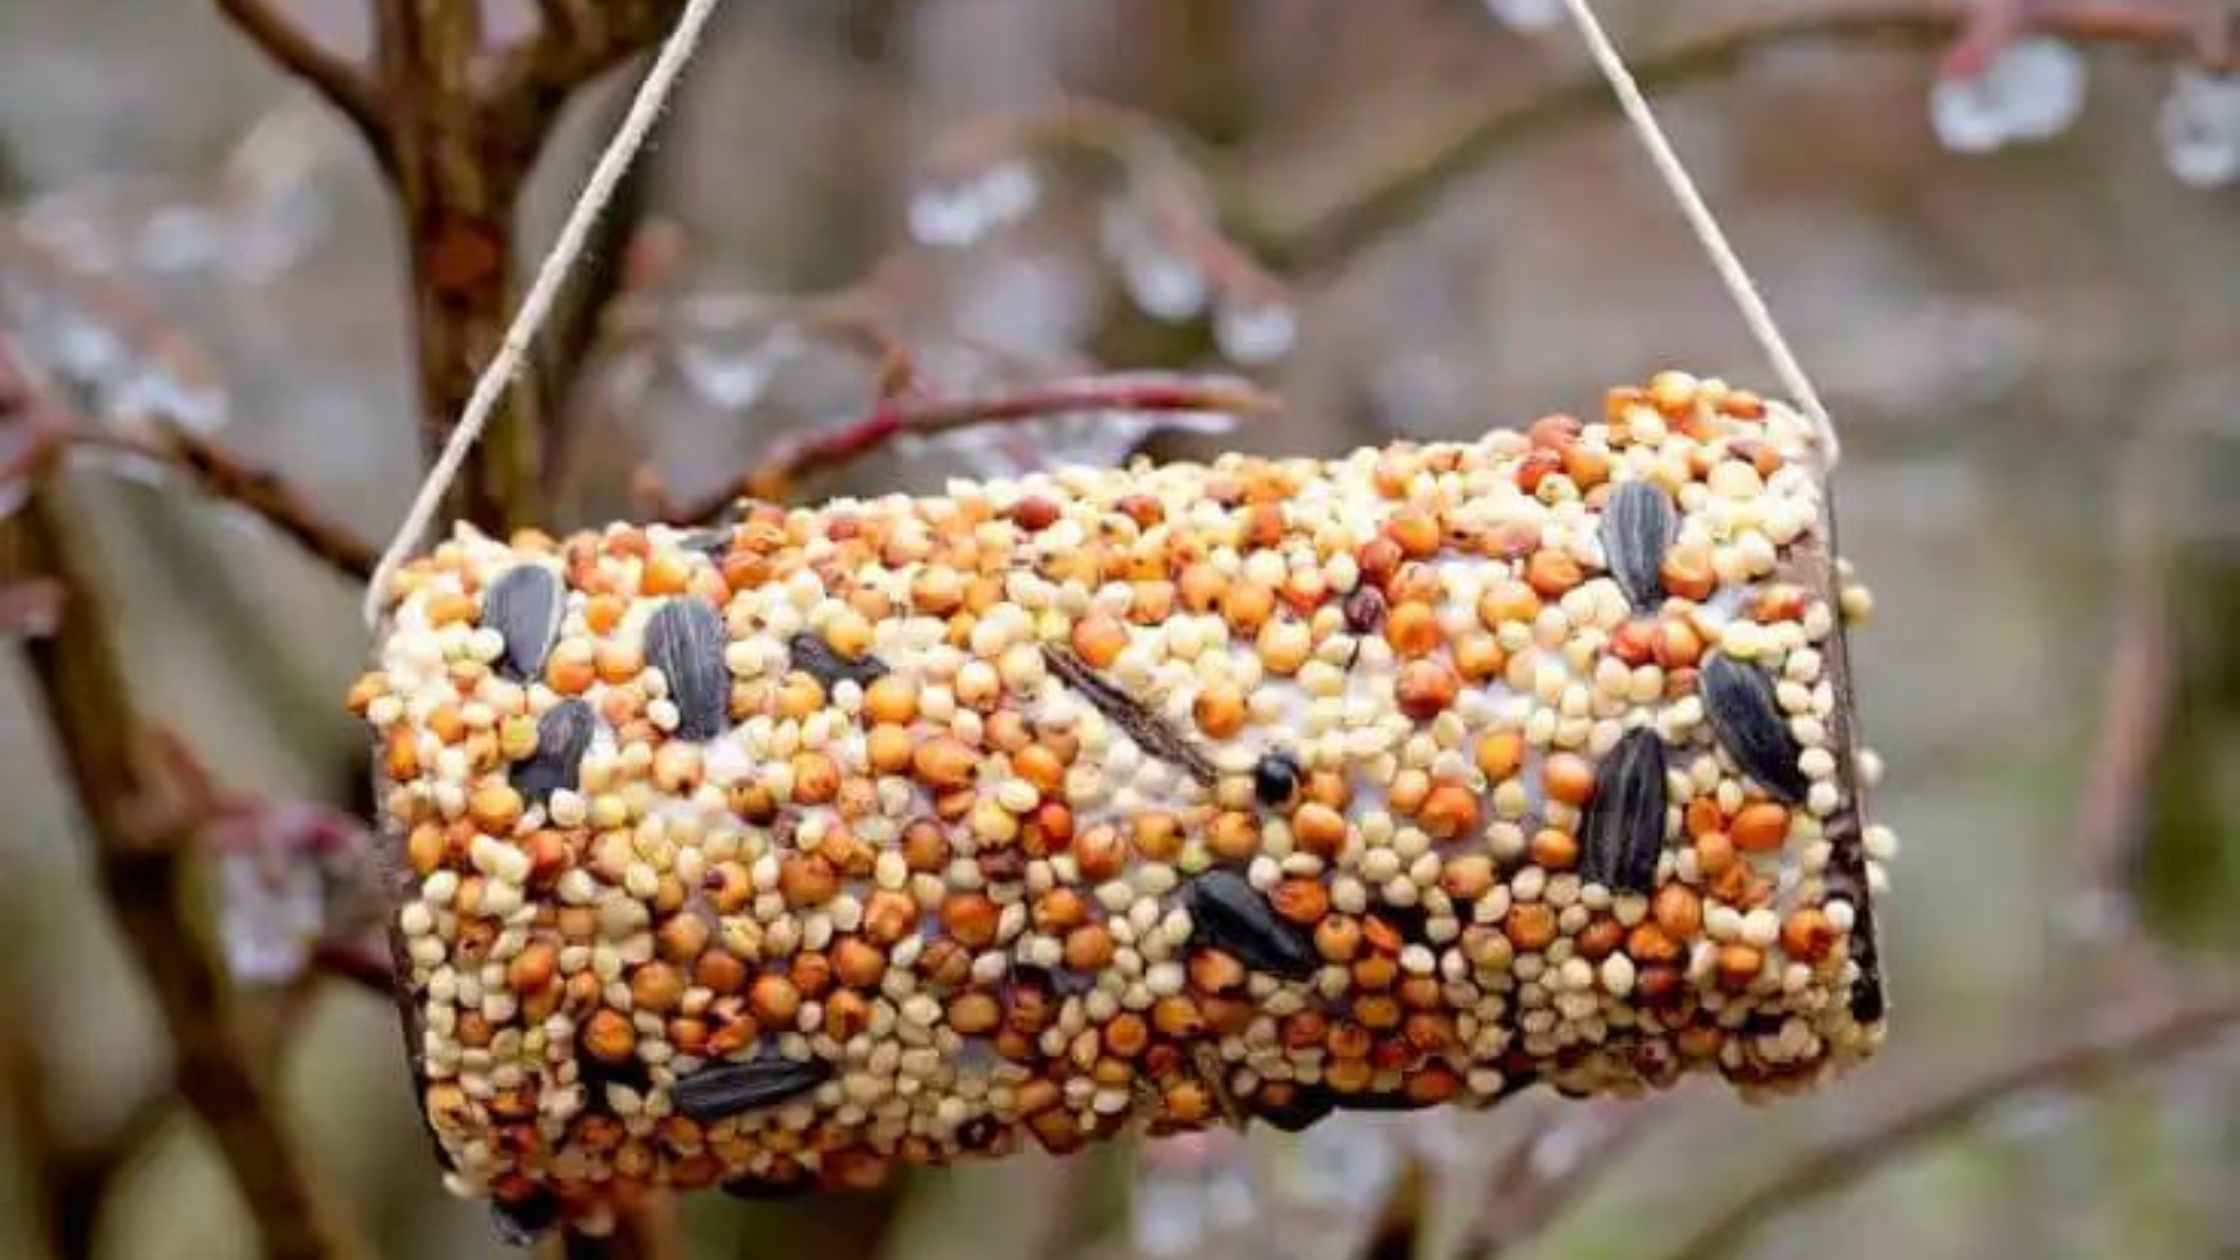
902, 830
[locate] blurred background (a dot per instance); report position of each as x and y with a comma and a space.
2005, 238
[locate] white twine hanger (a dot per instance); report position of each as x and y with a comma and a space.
567, 249
653, 95
1706, 226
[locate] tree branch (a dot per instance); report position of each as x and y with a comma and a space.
1407, 187
832, 449
1849, 1159
345, 84
259, 491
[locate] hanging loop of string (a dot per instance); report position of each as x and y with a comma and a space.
653, 95
559, 262
1706, 226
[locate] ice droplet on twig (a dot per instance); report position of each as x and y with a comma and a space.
2033, 89
735, 380
1526, 15
1161, 282
2200, 128
273, 913
1253, 332
291, 875
1166, 287
953, 215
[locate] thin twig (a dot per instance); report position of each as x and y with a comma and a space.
1411, 184
259, 491
364, 966
1848, 1159
2136, 697
833, 449
345, 84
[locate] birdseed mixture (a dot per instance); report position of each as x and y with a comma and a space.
903, 829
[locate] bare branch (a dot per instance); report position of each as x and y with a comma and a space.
894, 417
1848, 1159
345, 84
367, 967
1406, 187
259, 491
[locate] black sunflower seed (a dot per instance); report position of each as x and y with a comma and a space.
562, 735
523, 605
522, 1224
1275, 778
726, 1089
684, 640
1624, 826
815, 657
1636, 527
1746, 718
1230, 914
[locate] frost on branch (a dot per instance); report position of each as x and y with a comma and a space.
2033, 89
290, 877
2200, 128
962, 211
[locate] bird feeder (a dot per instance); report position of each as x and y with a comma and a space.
907, 830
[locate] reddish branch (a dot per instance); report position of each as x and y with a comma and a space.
1409, 185
1848, 1159
210, 467
366, 966
259, 491
775, 476
146, 799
